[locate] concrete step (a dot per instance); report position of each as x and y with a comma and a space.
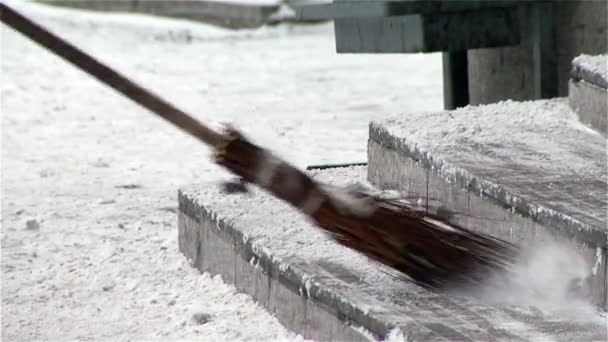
228, 13
325, 291
588, 91
527, 172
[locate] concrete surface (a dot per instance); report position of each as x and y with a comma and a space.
588, 92
451, 31
592, 69
506, 196
591, 104
327, 292
232, 14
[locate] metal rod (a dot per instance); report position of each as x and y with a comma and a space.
108, 76
333, 166
455, 79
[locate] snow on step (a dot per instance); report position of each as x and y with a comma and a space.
525, 147
360, 292
592, 69
528, 172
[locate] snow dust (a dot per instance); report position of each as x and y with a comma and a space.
550, 276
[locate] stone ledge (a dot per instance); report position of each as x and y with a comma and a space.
324, 291
233, 14
525, 172
590, 102
588, 91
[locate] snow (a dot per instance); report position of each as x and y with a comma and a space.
364, 332
99, 176
551, 128
283, 230
510, 141
288, 237
396, 335
596, 64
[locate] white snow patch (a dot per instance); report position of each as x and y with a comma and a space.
597, 64
499, 126
364, 332
524, 330
396, 335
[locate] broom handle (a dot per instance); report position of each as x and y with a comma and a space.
108, 76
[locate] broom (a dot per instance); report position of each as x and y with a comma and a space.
430, 251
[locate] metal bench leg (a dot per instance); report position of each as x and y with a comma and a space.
455, 79
542, 23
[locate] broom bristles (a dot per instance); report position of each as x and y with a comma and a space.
429, 250
432, 252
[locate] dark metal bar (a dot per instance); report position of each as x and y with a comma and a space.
544, 49
455, 79
333, 166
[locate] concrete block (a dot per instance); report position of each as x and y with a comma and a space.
527, 193
588, 92
450, 31
325, 291
497, 74
591, 104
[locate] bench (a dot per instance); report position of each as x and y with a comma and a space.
452, 27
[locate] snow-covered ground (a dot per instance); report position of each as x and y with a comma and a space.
89, 180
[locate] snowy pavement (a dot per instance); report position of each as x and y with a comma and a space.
89, 180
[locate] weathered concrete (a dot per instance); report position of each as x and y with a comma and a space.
581, 26
452, 31
591, 104
510, 198
327, 292
588, 92
232, 14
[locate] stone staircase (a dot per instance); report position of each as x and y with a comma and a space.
325, 291
532, 172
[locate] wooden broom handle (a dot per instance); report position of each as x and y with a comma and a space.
108, 76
